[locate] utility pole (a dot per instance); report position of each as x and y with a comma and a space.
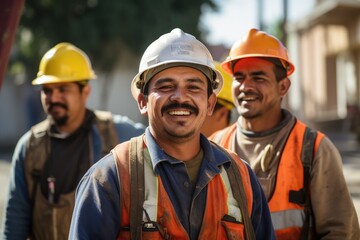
284, 21
260, 14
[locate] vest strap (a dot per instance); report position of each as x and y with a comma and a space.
240, 196
307, 157
238, 190
136, 187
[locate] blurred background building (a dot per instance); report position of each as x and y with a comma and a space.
324, 46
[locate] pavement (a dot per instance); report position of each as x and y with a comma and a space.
346, 142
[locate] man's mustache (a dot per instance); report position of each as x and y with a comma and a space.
51, 105
177, 106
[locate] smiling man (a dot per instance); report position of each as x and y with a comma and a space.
172, 183
50, 159
299, 168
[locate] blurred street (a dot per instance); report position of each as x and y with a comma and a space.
346, 143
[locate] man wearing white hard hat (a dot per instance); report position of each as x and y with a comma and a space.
171, 182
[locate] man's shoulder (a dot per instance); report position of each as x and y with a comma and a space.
40, 127
218, 135
103, 115
118, 120
125, 120
218, 149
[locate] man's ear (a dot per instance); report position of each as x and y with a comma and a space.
142, 103
86, 91
211, 103
284, 86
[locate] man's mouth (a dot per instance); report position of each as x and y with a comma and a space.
176, 109
57, 106
179, 113
248, 98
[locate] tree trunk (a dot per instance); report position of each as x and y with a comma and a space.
10, 11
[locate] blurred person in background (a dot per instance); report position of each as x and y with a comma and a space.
221, 116
300, 169
50, 159
171, 182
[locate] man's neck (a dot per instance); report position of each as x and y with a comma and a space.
181, 150
261, 124
72, 125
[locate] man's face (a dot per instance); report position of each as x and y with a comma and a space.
177, 103
256, 91
64, 102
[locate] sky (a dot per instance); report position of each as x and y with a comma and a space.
235, 17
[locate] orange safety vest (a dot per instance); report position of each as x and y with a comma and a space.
157, 204
287, 217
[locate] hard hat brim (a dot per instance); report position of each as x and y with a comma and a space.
46, 79
226, 65
136, 91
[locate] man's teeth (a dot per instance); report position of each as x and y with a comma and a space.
179, 113
248, 99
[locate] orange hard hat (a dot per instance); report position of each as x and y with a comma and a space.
258, 44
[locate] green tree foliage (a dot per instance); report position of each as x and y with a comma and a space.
101, 27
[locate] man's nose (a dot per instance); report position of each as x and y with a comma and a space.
179, 95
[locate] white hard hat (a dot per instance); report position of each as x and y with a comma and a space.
172, 50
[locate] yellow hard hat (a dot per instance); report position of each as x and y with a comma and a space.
64, 63
258, 44
225, 95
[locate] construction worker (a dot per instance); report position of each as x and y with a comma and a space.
50, 159
172, 183
299, 168
221, 116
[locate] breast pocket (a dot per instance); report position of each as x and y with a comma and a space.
231, 229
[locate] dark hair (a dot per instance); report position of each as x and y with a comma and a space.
279, 70
82, 84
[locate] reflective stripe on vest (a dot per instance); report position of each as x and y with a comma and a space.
220, 201
287, 218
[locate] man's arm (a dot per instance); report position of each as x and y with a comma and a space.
260, 215
17, 214
334, 211
97, 203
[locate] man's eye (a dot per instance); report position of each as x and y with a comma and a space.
239, 79
165, 87
63, 89
259, 79
194, 88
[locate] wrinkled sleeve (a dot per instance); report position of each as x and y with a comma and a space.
260, 215
17, 212
127, 128
97, 203
334, 211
